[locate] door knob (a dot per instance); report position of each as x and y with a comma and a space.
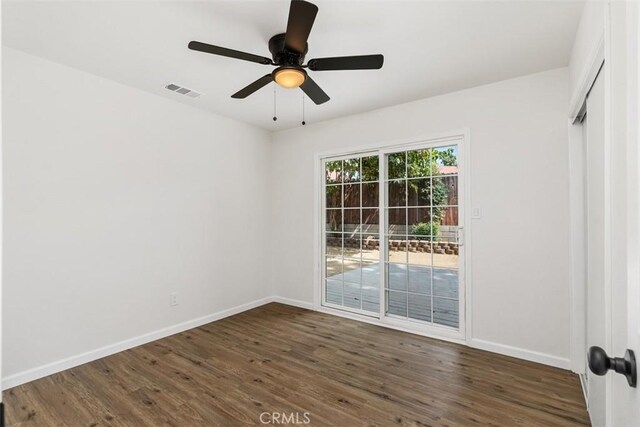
600, 363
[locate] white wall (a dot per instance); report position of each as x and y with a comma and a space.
519, 177
114, 198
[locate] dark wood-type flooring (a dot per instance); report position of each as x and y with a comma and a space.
282, 359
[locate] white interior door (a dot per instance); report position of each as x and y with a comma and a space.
594, 133
614, 400
625, 399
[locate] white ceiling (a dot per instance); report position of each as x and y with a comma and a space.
430, 47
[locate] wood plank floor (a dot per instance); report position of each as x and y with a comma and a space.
282, 359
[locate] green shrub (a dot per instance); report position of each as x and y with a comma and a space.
426, 229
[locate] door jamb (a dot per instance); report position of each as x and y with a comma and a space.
577, 256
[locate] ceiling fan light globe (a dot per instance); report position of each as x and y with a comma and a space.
289, 77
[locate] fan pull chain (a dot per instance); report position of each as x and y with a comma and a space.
275, 117
303, 122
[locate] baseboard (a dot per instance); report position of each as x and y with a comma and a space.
80, 359
521, 353
585, 393
73, 361
293, 302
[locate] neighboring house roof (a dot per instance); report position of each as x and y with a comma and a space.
447, 170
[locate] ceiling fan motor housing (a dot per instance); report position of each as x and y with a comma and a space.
281, 56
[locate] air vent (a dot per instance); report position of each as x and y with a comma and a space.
182, 90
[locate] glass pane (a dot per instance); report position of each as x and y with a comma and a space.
370, 168
371, 298
397, 303
397, 249
367, 246
333, 172
370, 220
397, 167
420, 307
420, 279
445, 312
419, 163
397, 221
333, 267
351, 219
352, 245
333, 244
445, 254
370, 247
334, 220
446, 158
420, 255
397, 276
352, 270
371, 273
397, 193
445, 282
371, 286
334, 196
333, 291
352, 195
420, 224
419, 192
448, 215
352, 297
352, 170
370, 194
445, 190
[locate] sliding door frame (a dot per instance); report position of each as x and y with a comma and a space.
460, 137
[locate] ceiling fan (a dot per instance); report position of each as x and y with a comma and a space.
288, 51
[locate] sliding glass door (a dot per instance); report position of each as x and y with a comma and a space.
421, 235
391, 235
351, 233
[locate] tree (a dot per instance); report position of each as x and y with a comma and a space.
419, 169
446, 156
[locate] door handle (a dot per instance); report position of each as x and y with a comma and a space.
600, 363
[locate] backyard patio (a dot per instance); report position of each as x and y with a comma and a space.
410, 287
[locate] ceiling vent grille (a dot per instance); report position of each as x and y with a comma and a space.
182, 90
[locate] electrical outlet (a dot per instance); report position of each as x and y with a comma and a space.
173, 298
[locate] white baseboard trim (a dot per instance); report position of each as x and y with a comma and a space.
89, 356
293, 302
80, 359
521, 353
585, 393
